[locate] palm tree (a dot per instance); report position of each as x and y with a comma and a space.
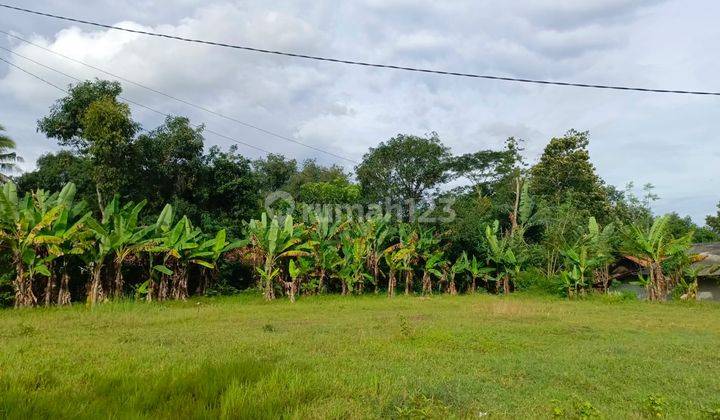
8, 158
652, 249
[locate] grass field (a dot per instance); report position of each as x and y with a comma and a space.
466, 356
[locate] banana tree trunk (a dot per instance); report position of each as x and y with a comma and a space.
376, 274
180, 282
162, 293
50, 286
408, 282
119, 282
451, 286
321, 281
23, 286
268, 286
96, 293
473, 286
64, 290
391, 284
506, 284
291, 289
657, 287
426, 284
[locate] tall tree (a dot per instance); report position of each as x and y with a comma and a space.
109, 130
65, 122
275, 172
713, 222
92, 120
405, 167
169, 162
54, 170
565, 173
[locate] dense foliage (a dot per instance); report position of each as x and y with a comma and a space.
123, 211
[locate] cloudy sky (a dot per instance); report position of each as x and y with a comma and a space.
671, 141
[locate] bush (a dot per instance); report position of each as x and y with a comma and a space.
535, 281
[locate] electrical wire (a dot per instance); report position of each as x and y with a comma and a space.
197, 126
183, 101
363, 63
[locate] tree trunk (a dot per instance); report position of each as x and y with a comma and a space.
426, 284
451, 287
376, 274
391, 284
344, 286
163, 288
180, 283
100, 201
119, 281
95, 294
408, 282
269, 287
473, 287
321, 281
64, 291
291, 289
22, 284
514, 214
506, 285
49, 287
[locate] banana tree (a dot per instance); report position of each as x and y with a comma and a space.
24, 226
209, 252
323, 237
459, 266
153, 247
377, 230
477, 270
652, 249
70, 238
116, 235
500, 253
432, 267
271, 243
394, 265
180, 247
353, 274
298, 271
600, 244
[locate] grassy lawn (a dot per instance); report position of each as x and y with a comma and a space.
362, 357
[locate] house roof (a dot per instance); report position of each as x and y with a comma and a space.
710, 265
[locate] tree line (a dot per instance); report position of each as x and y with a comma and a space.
158, 209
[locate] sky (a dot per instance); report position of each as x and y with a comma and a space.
671, 141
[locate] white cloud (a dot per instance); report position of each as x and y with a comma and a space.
668, 140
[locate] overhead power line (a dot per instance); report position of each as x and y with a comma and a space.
362, 63
183, 101
47, 82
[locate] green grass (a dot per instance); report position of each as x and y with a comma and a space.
362, 357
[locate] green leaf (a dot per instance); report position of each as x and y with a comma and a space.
163, 269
